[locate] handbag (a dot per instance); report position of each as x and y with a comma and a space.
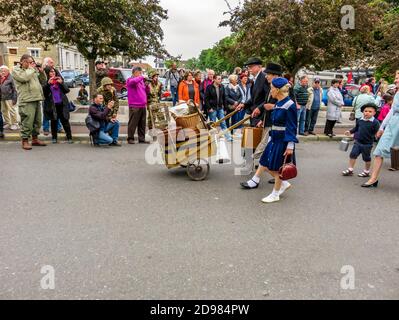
288, 171
71, 106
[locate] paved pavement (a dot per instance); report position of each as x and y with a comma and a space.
113, 226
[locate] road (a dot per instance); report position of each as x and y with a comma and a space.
114, 227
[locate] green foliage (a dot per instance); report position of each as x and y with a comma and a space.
95, 27
304, 33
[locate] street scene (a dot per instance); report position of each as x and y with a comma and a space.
253, 156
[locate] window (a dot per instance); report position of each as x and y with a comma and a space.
13, 51
67, 59
35, 53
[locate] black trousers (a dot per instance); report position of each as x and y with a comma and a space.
311, 119
329, 126
65, 122
137, 118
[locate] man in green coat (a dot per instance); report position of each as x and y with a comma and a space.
29, 79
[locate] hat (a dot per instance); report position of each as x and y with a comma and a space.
316, 80
99, 62
369, 105
279, 82
153, 73
106, 81
253, 61
274, 68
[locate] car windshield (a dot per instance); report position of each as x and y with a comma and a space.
68, 74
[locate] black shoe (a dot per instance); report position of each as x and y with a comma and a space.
54, 141
272, 181
69, 141
245, 185
374, 185
144, 142
115, 144
1, 135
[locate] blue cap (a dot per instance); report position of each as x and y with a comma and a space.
279, 82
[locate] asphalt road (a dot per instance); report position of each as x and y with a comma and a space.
114, 227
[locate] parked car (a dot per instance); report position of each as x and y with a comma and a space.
119, 77
71, 78
85, 78
353, 91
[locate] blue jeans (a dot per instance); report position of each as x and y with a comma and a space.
173, 91
46, 124
301, 119
219, 114
238, 117
105, 138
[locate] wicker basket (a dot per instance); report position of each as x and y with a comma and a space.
190, 121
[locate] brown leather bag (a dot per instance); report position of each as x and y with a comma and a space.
288, 171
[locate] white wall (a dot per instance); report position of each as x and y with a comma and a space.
70, 59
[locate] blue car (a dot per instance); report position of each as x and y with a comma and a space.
352, 92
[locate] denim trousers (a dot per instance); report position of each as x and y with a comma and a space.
46, 124
311, 119
173, 91
301, 119
219, 114
105, 138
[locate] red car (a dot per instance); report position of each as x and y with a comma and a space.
119, 76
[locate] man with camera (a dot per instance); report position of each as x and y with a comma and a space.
137, 91
29, 78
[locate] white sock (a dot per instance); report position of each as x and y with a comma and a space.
275, 193
284, 184
254, 181
350, 169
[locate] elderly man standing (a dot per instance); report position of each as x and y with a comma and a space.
172, 77
8, 99
259, 91
29, 80
302, 97
137, 91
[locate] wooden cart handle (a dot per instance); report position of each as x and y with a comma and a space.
235, 126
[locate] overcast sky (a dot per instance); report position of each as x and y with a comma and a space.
193, 25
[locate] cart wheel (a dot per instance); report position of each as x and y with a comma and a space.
198, 169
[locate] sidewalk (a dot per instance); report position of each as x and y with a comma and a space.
80, 132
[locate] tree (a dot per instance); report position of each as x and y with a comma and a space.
193, 64
96, 27
307, 33
386, 35
221, 57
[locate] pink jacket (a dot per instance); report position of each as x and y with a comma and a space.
384, 112
137, 92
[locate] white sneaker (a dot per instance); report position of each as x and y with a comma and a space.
271, 198
6, 126
14, 127
284, 187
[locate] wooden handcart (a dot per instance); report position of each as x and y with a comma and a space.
191, 143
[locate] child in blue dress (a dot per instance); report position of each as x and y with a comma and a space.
282, 139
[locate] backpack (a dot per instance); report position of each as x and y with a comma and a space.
92, 124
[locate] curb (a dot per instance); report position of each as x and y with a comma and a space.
15, 137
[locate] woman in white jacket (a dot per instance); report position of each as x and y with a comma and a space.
334, 106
